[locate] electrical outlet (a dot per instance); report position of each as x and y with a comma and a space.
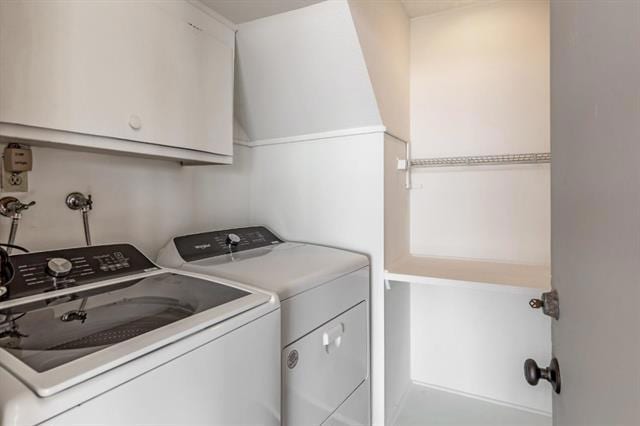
15, 181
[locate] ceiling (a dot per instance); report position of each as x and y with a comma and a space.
239, 11
415, 8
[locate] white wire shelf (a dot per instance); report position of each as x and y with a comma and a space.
483, 160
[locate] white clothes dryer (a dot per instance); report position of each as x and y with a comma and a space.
324, 296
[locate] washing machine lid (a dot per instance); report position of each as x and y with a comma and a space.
284, 268
59, 340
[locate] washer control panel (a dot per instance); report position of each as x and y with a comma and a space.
217, 243
52, 270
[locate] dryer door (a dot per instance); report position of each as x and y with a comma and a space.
324, 367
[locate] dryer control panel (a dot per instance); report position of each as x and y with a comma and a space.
56, 269
217, 243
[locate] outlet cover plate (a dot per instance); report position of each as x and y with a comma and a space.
15, 182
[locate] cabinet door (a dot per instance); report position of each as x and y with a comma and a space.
128, 70
193, 72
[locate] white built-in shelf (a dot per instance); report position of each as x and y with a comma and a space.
466, 272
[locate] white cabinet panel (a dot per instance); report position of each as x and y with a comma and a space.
154, 72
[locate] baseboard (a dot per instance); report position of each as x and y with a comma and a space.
397, 409
483, 398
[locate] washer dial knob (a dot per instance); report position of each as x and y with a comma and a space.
233, 240
58, 267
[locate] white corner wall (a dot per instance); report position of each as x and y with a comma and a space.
396, 202
136, 200
306, 99
302, 72
397, 299
397, 322
326, 191
480, 85
384, 34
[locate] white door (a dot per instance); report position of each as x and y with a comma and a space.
595, 181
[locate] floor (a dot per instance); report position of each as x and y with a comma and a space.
425, 406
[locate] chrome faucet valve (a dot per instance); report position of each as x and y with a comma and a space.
12, 208
77, 201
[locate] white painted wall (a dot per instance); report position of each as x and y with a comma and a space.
384, 34
302, 72
480, 85
136, 200
329, 192
495, 213
475, 341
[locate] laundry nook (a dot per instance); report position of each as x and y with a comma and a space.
319, 212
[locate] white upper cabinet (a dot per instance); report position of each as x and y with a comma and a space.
144, 71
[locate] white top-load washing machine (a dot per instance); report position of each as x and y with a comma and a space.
101, 335
324, 295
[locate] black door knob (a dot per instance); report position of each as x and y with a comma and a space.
533, 373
